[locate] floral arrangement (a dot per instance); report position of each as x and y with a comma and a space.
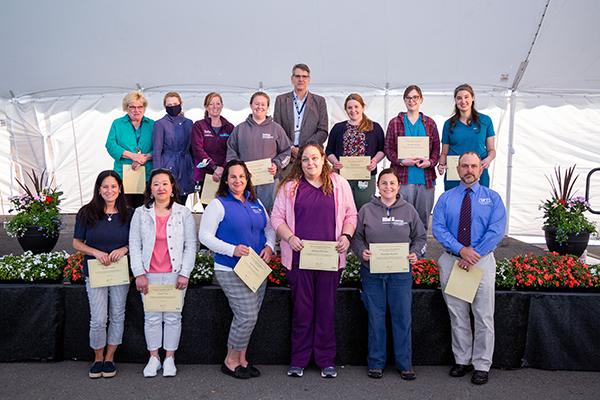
505, 278
73, 270
552, 270
37, 208
278, 276
426, 272
204, 268
351, 274
31, 267
595, 271
562, 211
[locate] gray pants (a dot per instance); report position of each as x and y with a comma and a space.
153, 320
467, 349
106, 303
266, 194
245, 306
421, 199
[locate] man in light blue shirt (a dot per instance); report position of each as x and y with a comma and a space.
469, 222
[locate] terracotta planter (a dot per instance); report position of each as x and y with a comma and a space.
575, 244
35, 241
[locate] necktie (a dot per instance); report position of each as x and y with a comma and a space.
464, 223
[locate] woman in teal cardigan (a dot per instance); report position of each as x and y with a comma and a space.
130, 141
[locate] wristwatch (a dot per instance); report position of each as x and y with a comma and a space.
348, 236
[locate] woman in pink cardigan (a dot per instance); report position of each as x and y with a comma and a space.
313, 203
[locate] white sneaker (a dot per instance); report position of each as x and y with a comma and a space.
152, 367
169, 368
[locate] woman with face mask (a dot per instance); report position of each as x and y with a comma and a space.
171, 140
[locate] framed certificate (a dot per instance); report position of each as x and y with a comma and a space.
452, 168
163, 298
413, 147
463, 284
209, 189
319, 255
259, 171
134, 182
252, 270
114, 274
388, 258
356, 168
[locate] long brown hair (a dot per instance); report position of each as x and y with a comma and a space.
366, 125
208, 99
474, 114
296, 171
223, 190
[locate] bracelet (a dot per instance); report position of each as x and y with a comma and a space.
348, 236
290, 238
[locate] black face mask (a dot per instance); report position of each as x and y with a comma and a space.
173, 111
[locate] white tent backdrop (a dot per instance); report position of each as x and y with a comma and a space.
67, 64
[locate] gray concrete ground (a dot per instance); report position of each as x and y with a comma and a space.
68, 380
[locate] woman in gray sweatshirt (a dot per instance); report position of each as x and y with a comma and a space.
388, 219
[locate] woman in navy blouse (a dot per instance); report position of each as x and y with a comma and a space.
171, 140
358, 136
102, 233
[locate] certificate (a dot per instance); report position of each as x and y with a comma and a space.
413, 147
209, 189
259, 171
355, 168
319, 255
252, 270
116, 273
452, 168
163, 298
463, 284
388, 258
134, 182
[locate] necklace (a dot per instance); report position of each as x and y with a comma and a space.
110, 216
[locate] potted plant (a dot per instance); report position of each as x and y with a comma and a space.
566, 228
37, 222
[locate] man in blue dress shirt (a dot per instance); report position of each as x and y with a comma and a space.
469, 222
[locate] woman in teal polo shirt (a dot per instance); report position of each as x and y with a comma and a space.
467, 130
129, 141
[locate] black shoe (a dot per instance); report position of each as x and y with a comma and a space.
459, 370
108, 369
239, 372
96, 370
253, 371
479, 377
375, 373
408, 375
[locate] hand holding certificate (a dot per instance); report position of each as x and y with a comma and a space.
413, 147
209, 189
388, 258
134, 182
163, 298
356, 168
114, 274
259, 169
452, 168
319, 255
252, 270
463, 284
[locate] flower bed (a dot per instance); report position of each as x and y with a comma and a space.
278, 276
426, 273
552, 270
73, 269
204, 269
45, 267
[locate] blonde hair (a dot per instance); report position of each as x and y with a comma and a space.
136, 95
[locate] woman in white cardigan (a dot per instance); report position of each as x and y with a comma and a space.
162, 248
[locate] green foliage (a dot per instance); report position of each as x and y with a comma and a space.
32, 268
204, 268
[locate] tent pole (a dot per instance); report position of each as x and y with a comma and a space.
510, 152
76, 159
386, 104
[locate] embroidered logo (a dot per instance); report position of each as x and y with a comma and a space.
267, 136
485, 201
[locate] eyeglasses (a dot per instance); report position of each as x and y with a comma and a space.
301, 76
412, 98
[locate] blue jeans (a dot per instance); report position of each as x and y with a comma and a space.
379, 291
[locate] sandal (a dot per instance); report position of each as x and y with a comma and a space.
375, 373
408, 375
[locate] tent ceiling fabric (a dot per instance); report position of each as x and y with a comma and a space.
72, 47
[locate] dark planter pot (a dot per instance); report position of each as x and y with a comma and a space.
575, 244
35, 241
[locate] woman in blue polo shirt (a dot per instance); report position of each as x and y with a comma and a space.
467, 130
233, 223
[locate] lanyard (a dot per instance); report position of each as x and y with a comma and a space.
299, 110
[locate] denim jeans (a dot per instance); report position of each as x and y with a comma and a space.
379, 292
